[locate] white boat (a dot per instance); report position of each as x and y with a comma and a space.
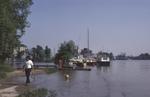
90, 61
103, 60
78, 61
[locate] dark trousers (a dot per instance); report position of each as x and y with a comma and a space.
27, 71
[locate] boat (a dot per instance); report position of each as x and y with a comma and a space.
90, 61
103, 60
76, 61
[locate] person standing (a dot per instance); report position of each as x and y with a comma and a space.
28, 67
60, 62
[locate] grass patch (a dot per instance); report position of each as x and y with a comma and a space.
4, 69
3, 75
50, 70
41, 92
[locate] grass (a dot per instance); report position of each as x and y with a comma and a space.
3, 75
41, 92
4, 69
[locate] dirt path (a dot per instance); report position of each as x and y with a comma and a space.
9, 92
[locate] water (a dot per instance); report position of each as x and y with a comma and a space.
120, 79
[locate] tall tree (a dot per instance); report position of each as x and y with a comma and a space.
47, 54
13, 21
40, 53
34, 54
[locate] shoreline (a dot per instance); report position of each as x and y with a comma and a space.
11, 88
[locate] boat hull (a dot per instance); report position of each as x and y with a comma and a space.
103, 63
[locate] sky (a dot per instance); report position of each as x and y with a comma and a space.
117, 26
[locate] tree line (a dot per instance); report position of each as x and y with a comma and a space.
142, 56
40, 54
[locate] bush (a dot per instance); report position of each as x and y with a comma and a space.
42, 92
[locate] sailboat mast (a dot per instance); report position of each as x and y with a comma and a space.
88, 40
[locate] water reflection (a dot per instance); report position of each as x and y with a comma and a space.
103, 68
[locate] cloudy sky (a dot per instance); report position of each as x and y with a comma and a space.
114, 25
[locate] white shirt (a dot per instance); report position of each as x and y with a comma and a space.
29, 64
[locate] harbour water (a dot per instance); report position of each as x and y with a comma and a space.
126, 78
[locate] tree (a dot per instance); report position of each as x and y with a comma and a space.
66, 51
121, 56
41, 55
47, 54
13, 21
34, 54
144, 56
111, 56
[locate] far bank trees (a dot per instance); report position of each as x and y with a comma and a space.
41, 54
